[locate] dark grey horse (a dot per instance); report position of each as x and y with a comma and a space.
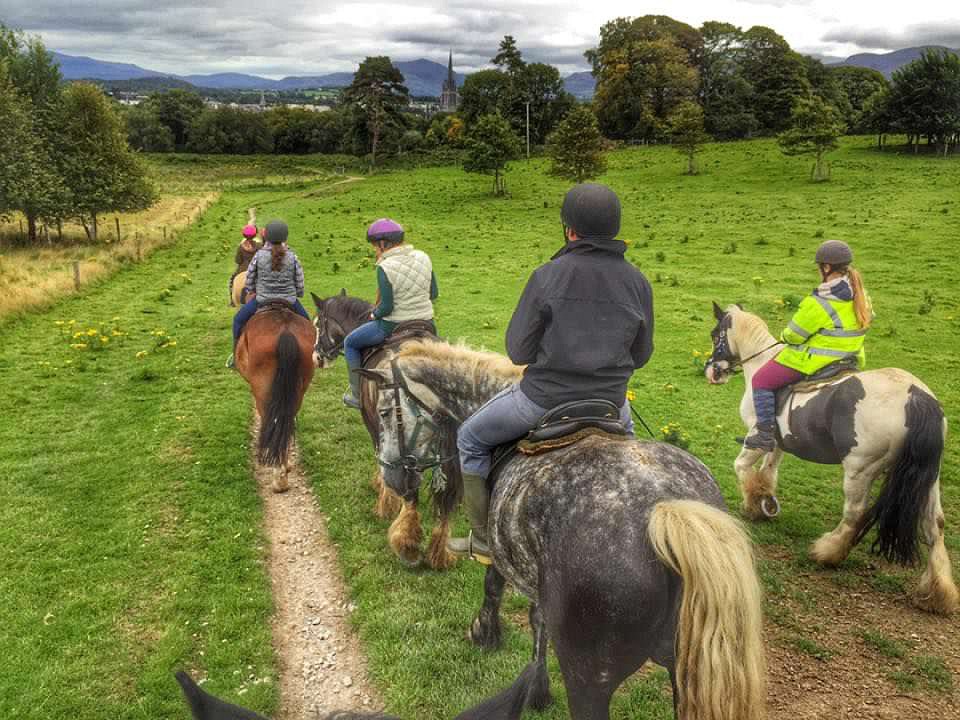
623, 547
337, 317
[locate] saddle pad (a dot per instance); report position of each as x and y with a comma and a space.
527, 447
810, 385
410, 330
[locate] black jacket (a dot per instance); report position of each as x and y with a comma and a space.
584, 323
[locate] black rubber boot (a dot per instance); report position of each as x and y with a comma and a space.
351, 398
763, 438
476, 501
764, 433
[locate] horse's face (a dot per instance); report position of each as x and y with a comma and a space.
411, 430
330, 335
719, 366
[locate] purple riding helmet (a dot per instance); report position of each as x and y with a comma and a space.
385, 229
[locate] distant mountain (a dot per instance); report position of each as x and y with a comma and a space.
581, 85
76, 67
232, 81
333, 80
889, 62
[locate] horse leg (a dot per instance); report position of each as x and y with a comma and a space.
538, 696
755, 485
485, 629
437, 554
388, 503
936, 591
587, 697
832, 548
405, 534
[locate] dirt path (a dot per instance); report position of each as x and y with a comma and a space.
320, 662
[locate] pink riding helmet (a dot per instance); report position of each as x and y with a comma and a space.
250, 231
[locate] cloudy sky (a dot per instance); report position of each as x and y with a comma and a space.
300, 37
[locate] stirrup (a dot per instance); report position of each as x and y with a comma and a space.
483, 559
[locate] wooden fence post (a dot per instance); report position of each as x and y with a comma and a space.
21, 231
137, 240
76, 274
164, 234
117, 221
59, 231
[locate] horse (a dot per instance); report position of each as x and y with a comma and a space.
397, 487
237, 287
623, 547
876, 424
508, 705
275, 356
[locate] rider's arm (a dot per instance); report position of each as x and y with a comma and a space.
807, 321
385, 289
527, 325
642, 347
298, 276
434, 290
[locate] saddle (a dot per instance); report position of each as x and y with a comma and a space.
823, 377
561, 427
409, 330
274, 306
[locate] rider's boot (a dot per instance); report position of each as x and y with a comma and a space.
351, 398
230, 360
764, 433
476, 499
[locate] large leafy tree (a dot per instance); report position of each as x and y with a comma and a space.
490, 144
178, 110
644, 68
145, 131
230, 131
777, 75
725, 94
300, 131
925, 99
481, 94
686, 128
376, 96
508, 58
95, 162
815, 127
576, 147
859, 85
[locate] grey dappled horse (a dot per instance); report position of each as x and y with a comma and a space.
397, 488
623, 547
876, 424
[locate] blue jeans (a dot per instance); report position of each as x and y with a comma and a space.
507, 416
247, 311
367, 335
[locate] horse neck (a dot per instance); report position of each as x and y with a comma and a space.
460, 393
351, 317
756, 345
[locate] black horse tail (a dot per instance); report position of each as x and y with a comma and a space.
720, 663
277, 427
204, 706
906, 492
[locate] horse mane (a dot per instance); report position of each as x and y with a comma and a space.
461, 359
347, 307
752, 332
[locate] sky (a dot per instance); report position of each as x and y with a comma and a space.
306, 37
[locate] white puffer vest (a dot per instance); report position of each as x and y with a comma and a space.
409, 271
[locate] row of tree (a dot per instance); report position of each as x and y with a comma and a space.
63, 148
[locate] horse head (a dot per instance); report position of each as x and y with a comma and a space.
337, 317
723, 360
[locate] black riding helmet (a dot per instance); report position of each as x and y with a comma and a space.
834, 252
592, 211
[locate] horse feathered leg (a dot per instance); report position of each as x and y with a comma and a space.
388, 502
756, 484
936, 592
405, 534
538, 696
832, 548
437, 554
485, 630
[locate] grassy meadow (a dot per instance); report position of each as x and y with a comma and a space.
130, 540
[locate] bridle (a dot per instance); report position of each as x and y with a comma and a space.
721, 353
425, 419
324, 346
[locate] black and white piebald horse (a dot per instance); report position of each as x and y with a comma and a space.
624, 548
876, 424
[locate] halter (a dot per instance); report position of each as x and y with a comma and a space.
424, 418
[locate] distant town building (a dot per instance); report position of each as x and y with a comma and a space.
449, 98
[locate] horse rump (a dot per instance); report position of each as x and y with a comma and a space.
720, 665
906, 491
276, 428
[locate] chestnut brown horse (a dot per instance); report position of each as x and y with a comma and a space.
275, 356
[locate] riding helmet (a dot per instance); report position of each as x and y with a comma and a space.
276, 232
834, 252
592, 211
250, 231
385, 229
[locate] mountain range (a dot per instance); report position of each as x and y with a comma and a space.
423, 77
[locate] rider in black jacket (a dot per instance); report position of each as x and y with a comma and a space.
584, 323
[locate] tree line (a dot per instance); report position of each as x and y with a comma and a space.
63, 148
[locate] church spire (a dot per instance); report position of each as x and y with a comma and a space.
450, 76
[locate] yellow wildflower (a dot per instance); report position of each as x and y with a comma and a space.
141, 354
631, 395
104, 339
79, 346
58, 322
93, 332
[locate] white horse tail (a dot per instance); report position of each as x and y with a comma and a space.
913, 475
721, 667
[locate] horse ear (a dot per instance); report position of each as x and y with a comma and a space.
343, 292
739, 305
377, 376
718, 312
318, 301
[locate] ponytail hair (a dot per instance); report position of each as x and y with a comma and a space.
277, 251
861, 301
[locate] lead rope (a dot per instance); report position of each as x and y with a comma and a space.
642, 421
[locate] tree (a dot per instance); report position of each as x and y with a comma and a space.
490, 145
481, 94
299, 131
576, 147
178, 110
686, 127
145, 131
508, 58
815, 127
777, 75
859, 85
229, 131
726, 95
376, 95
540, 85
95, 162
925, 99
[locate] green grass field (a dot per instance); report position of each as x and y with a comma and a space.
130, 542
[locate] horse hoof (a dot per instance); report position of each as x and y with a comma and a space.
411, 561
770, 506
486, 638
278, 488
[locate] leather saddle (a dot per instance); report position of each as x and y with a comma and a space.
825, 376
560, 427
409, 330
274, 306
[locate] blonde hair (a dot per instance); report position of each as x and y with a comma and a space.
861, 301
